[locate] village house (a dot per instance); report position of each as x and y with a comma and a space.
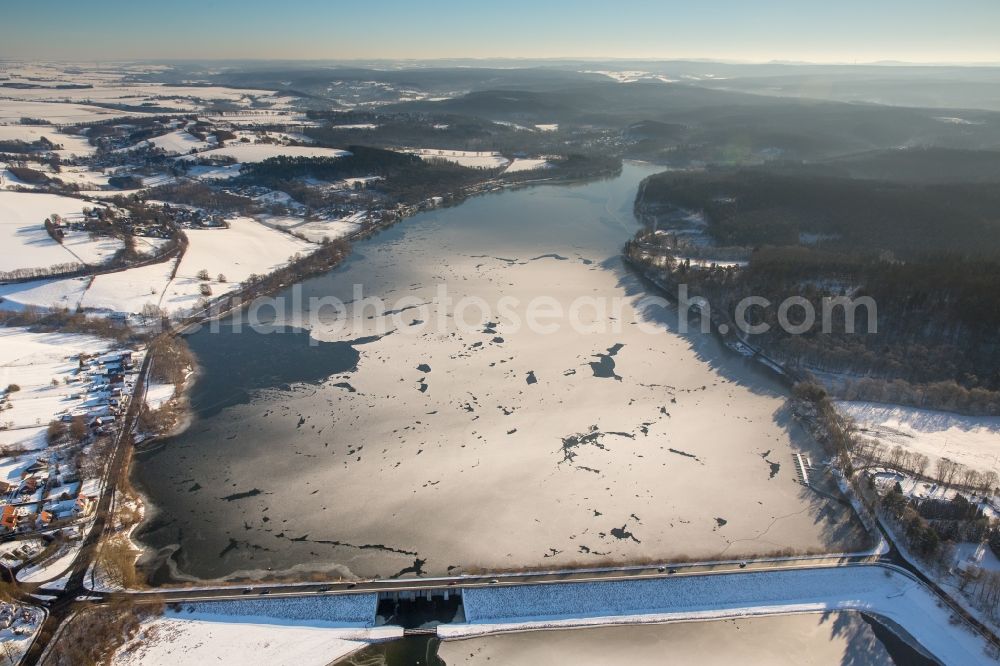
8, 519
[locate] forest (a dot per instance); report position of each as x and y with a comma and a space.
796, 205
927, 255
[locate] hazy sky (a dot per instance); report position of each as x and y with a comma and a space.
829, 30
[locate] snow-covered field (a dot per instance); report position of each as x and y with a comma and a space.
32, 361
53, 293
134, 93
130, 290
181, 642
82, 176
258, 152
297, 631
215, 172
178, 142
973, 441
247, 247
524, 164
24, 243
785, 640
72, 144
157, 395
74, 104
631, 76
467, 158
872, 589
317, 230
58, 113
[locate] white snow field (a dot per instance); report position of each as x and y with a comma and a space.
467, 158
158, 394
129, 290
175, 641
355, 126
776, 640
65, 105
247, 247
82, 176
57, 113
317, 230
874, 589
24, 243
53, 293
72, 144
178, 142
32, 361
28, 439
133, 93
524, 164
295, 631
215, 172
973, 441
258, 152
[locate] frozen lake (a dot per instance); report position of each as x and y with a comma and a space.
411, 444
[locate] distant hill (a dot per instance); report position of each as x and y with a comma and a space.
761, 206
923, 165
426, 79
603, 102
722, 126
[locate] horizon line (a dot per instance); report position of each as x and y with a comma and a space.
595, 59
